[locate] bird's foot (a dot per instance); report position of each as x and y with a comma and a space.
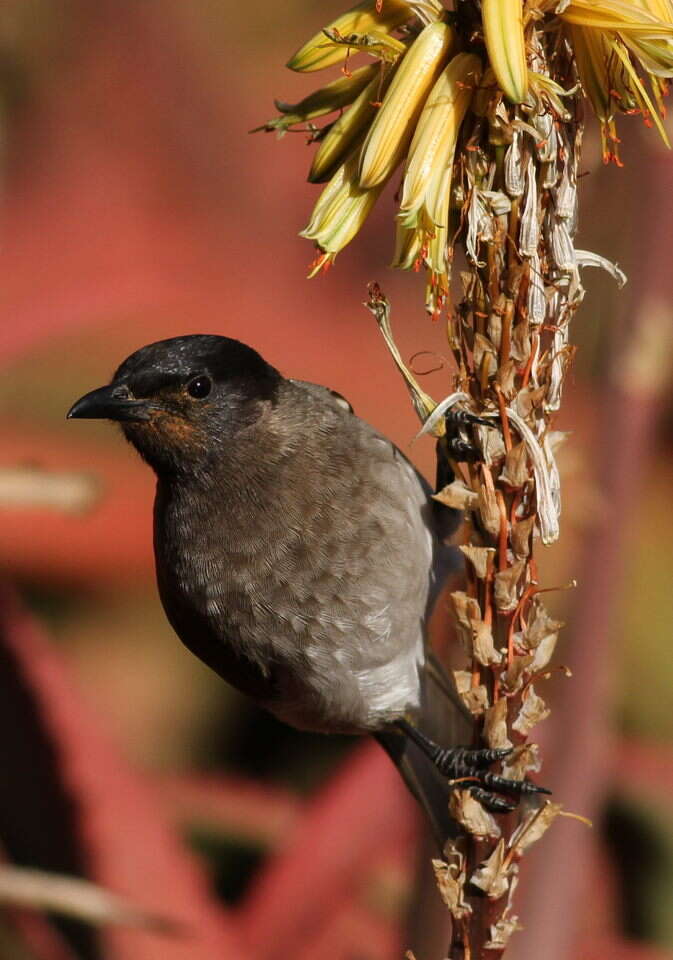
466, 768
457, 447
456, 418
462, 451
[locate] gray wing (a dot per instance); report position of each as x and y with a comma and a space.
441, 521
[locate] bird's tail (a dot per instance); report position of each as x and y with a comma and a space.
444, 720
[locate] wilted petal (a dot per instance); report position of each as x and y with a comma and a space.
566, 194
537, 302
562, 250
479, 557
506, 586
483, 649
547, 508
515, 472
451, 879
514, 676
533, 710
475, 698
522, 760
514, 166
520, 536
492, 876
472, 816
587, 259
495, 726
501, 933
458, 496
529, 233
539, 626
528, 832
558, 367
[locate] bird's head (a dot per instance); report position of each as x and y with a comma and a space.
181, 401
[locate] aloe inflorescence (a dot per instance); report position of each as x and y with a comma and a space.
444, 81
475, 115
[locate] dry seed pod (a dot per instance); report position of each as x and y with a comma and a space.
514, 676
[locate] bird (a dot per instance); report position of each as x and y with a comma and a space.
299, 554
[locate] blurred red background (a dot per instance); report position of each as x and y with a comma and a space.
137, 207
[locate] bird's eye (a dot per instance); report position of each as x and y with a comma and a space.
199, 387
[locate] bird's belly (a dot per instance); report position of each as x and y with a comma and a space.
291, 659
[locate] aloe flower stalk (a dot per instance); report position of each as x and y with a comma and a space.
478, 116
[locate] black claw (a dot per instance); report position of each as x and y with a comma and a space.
492, 801
517, 787
487, 756
462, 450
467, 768
462, 762
461, 418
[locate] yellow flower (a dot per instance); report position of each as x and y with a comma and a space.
340, 212
393, 127
434, 141
349, 128
503, 35
606, 36
364, 18
333, 96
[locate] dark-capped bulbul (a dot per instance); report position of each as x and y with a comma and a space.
299, 553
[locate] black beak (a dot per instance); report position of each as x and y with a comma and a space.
109, 403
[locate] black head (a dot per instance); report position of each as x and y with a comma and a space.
179, 401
